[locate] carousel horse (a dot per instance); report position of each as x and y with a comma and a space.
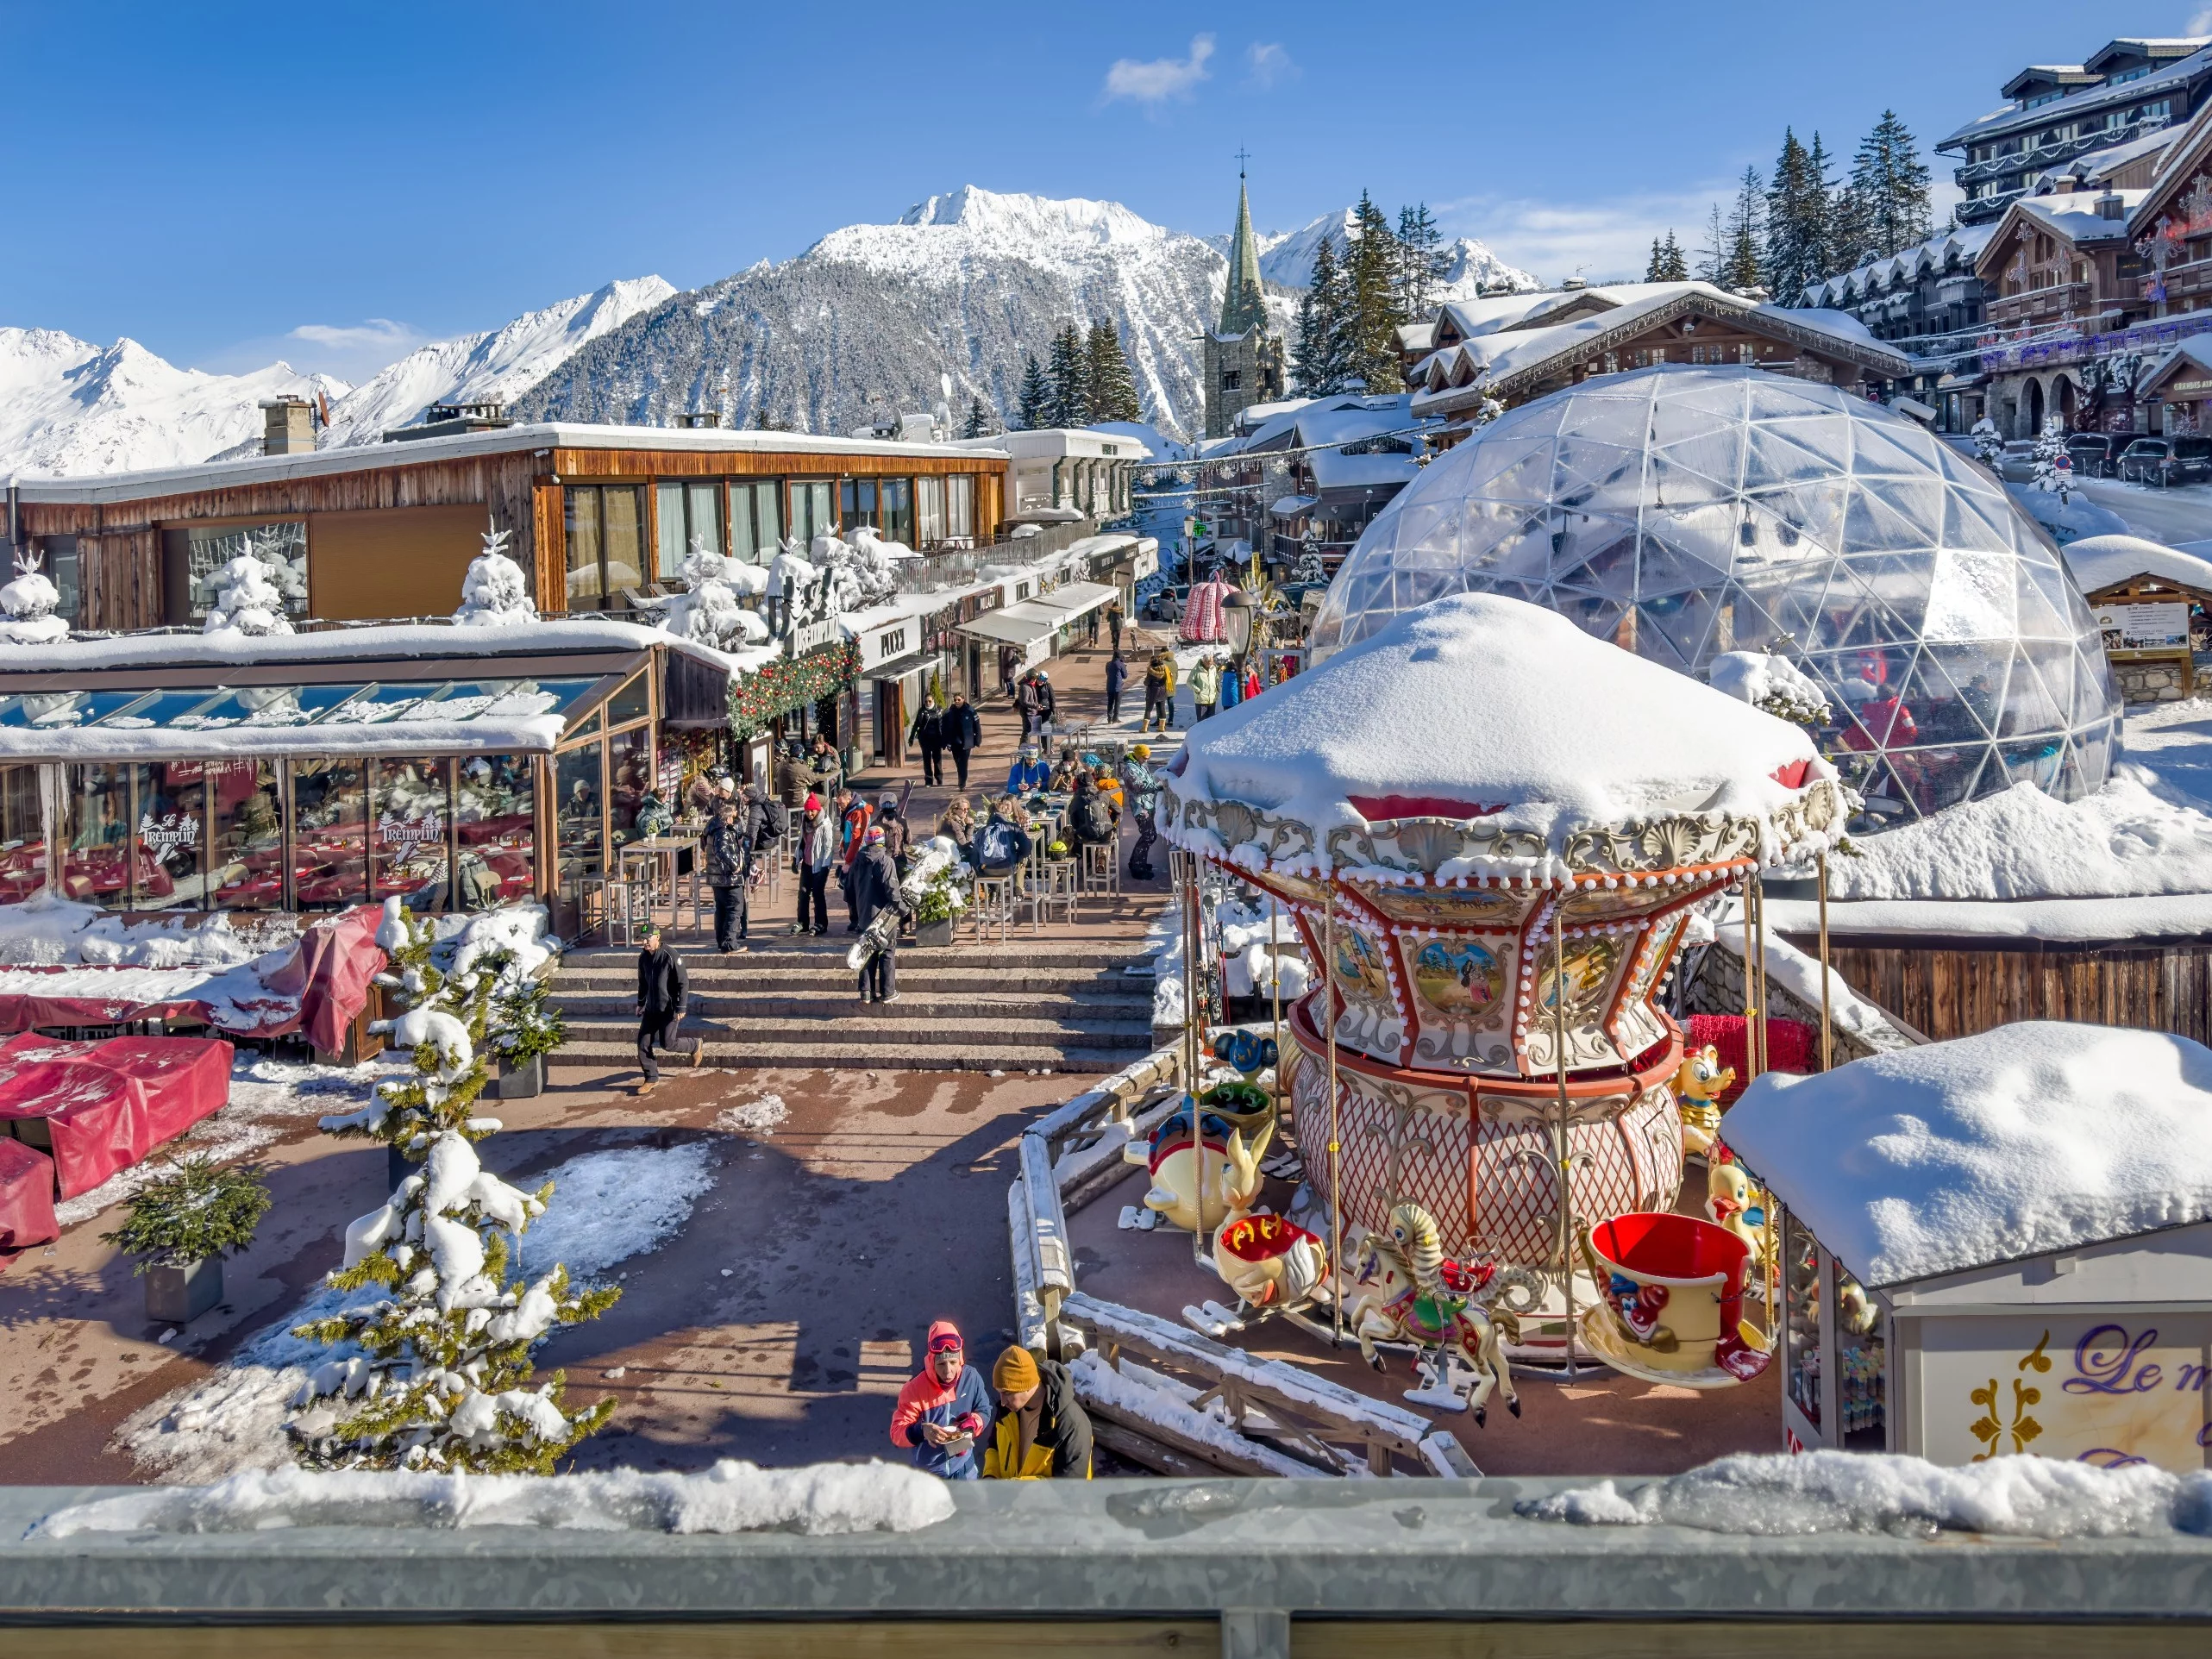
1698, 1082
1406, 1289
1733, 1201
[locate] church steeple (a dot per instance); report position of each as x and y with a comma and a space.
1243, 307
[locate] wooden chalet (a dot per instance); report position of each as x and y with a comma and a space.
2062, 276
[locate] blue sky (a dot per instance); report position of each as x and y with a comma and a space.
333, 183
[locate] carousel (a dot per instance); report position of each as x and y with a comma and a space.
1492, 832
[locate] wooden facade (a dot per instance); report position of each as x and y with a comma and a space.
124, 583
1953, 988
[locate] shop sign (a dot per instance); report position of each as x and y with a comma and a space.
1147, 562
2109, 1389
171, 832
810, 636
2135, 630
884, 644
420, 831
2188, 388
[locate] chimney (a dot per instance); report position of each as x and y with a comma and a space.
697, 419
288, 426
2109, 206
1573, 284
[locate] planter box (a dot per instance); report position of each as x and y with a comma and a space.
929, 934
519, 1082
178, 1295
398, 1167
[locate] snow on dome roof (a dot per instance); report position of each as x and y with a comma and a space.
1481, 707
2026, 1139
1691, 511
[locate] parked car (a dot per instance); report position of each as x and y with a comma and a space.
2143, 460
2095, 454
1165, 603
2017, 464
2167, 460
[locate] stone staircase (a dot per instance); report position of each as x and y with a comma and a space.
1020, 1005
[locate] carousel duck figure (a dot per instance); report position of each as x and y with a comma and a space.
1732, 1200
1406, 1289
1698, 1082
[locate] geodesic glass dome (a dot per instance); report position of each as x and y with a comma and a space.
1689, 511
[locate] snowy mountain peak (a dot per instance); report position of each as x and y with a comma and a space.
1287, 259
1016, 217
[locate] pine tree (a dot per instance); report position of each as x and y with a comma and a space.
1321, 328
1034, 398
1892, 184
1651, 265
1422, 262
1673, 265
1793, 223
1069, 402
978, 424
1820, 211
1741, 270
1713, 266
1371, 270
1112, 389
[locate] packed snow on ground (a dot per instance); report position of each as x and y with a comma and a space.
2174, 739
2126, 839
758, 1116
1506, 710
1778, 1495
2030, 1138
606, 1207
46, 931
822, 1500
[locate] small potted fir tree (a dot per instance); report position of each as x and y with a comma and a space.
523, 1027
939, 904
180, 1227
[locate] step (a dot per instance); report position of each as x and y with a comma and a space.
778, 951
833, 975
916, 1002
856, 1056
891, 1029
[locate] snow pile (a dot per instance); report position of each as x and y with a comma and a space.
758, 1116
1476, 706
2099, 562
1775, 1494
1257, 948
709, 609
494, 593
626, 1202
1775, 684
2121, 841
242, 599
2030, 1138
29, 602
1133, 1391
821, 1501
46, 931
2069, 518
860, 573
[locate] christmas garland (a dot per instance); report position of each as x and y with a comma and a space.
758, 698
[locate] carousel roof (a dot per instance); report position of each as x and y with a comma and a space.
1481, 708
2030, 1138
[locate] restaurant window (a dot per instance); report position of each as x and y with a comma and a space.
95, 836
408, 840
755, 523
245, 865
606, 542
630, 776
59, 564
577, 791
495, 808
959, 507
856, 503
329, 859
633, 700
897, 510
135, 835
685, 514
280, 546
22, 833
811, 511
171, 868
929, 511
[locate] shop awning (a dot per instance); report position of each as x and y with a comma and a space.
1010, 626
1074, 600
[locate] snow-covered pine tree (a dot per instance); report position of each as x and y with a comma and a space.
1742, 271
709, 609
1793, 223
1370, 271
1113, 388
441, 1381
30, 602
1989, 443
494, 594
1892, 183
1069, 404
1651, 265
1668, 264
2050, 450
1821, 207
1420, 260
1319, 372
978, 424
1035, 397
240, 598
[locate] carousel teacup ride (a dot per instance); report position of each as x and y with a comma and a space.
1491, 830
1673, 1304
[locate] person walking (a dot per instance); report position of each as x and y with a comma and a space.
727, 851
928, 730
1048, 705
1205, 688
853, 816
875, 889
1117, 672
1092, 639
662, 989
1232, 684
1159, 690
1043, 1432
1143, 803
817, 853
1114, 620
1025, 700
942, 1409
963, 733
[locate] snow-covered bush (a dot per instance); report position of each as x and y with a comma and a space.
29, 602
242, 598
1775, 684
494, 593
1989, 442
2050, 451
435, 1374
710, 608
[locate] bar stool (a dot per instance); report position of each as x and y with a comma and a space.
992, 905
1056, 886
1102, 868
616, 898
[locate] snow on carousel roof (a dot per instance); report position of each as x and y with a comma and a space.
2030, 1138
1479, 707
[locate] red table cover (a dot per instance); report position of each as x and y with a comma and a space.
26, 1200
1791, 1046
185, 1078
96, 1115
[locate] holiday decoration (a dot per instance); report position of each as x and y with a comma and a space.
494, 594
1404, 1289
29, 602
1698, 1084
759, 695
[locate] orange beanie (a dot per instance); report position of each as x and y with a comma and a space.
1015, 1372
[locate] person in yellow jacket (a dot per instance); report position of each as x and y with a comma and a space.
1042, 1433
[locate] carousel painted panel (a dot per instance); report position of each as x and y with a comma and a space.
1370, 1021
1593, 967
1463, 1000
1469, 908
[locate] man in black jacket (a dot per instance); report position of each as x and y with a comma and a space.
727, 850
928, 730
662, 988
1117, 673
962, 732
875, 889
1042, 1433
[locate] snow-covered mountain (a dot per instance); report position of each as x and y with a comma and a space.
67, 406
1287, 259
863, 324
500, 364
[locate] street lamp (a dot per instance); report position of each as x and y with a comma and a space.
1236, 623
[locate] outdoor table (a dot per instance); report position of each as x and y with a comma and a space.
662, 850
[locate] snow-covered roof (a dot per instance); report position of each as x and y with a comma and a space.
1348, 421
323, 463
2102, 561
2073, 216
2025, 1140
1291, 506
1054, 443
1508, 712
1334, 470
2177, 72
1963, 242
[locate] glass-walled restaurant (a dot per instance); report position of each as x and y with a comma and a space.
636, 535
457, 785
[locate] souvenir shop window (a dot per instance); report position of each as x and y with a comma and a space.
22, 833
246, 868
579, 791
495, 808
329, 858
1861, 1365
1800, 1295
407, 836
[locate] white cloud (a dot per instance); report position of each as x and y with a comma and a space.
1269, 63
351, 352
2201, 24
376, 334
1162, 78
1604, 240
